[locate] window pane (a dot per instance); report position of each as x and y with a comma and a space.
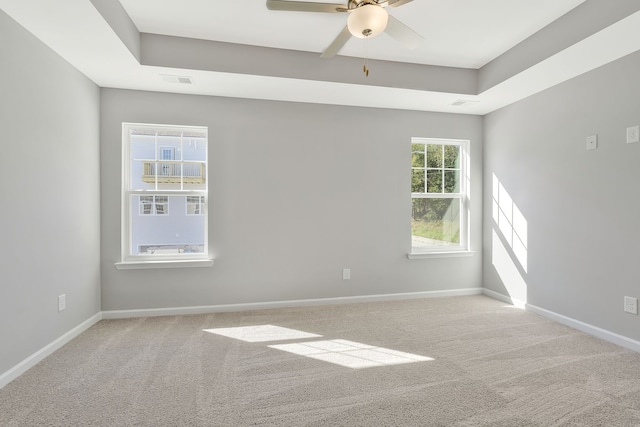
171, 232
169, 148
434, 156
417, 181
194, 149
434, 181
142, 174
435, 222
451, 181
452, 156
417, 156
169, 175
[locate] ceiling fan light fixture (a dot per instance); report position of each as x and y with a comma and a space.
367, 21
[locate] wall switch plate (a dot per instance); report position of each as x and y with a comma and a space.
631, 305
633, 134
346, 273
592, 142
62, 302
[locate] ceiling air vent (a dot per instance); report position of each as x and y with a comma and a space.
460, 102
185, 80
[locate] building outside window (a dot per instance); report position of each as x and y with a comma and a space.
164, 194
439, 195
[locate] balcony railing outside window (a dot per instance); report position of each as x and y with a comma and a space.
173, 172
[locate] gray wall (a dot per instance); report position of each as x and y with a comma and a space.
49, 181
297, 192
581, 207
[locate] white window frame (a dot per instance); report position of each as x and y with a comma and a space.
133, 261
463, 248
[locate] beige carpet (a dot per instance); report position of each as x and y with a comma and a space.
492, 365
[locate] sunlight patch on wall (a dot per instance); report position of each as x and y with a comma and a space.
351, 354
511, 222
262, 333
508, 272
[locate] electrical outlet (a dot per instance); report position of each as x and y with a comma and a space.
62, 302
631, 305
346, 273
592, 142
633, 134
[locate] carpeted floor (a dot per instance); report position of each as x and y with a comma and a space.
492, 365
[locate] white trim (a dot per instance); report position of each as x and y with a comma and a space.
443, 254
585, 327
40, 355
504, 298
175, 311
597, 332
187, 263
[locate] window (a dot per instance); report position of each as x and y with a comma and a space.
164, 193
439, 183
154, 205
194, 205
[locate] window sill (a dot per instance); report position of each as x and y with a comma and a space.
188, 263
451, 254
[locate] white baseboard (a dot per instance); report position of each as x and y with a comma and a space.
504, 298
173, 311
38, 356
585, 327
568, 321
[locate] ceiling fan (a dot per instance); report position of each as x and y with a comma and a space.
367, 18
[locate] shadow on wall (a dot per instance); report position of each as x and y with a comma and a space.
509, 243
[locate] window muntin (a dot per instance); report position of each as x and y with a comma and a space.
164, 192
439, 220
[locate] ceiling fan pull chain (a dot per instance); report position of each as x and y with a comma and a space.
365, 67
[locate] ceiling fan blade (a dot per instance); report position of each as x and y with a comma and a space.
337, 44
397, 3
403, 34
301, 6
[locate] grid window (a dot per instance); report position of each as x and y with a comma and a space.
164, 192
438, 193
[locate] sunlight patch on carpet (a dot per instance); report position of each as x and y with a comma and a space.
262, 333
350, 354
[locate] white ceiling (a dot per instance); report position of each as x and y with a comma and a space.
458, 33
